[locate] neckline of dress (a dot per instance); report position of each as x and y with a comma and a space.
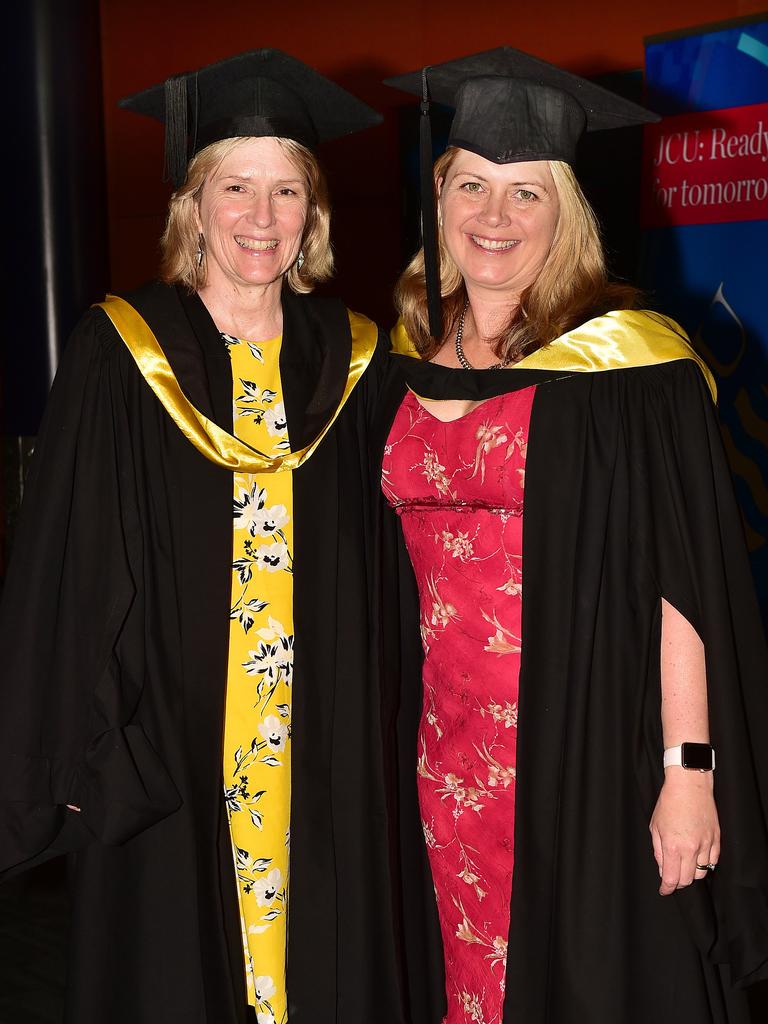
230, 338
459, 419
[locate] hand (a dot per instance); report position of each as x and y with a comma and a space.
684, 828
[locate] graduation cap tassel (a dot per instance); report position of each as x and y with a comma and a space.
428, 220
175, 167
195, 113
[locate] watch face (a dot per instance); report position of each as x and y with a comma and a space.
697, 756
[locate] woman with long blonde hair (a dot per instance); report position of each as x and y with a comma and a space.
560, 530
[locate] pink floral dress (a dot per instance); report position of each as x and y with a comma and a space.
458, 488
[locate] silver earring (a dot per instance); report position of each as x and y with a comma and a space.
200, 250
300, 260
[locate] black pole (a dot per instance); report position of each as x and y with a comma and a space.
56, 248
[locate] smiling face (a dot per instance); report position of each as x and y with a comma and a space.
251, 213
498, 221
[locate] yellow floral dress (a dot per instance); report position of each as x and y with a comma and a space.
257, 728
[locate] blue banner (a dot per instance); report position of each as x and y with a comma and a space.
705, 209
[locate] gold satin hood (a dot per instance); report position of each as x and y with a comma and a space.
622, 339
211, 440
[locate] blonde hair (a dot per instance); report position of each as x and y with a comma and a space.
179, 244
572, 283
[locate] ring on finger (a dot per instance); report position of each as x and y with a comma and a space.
705, 867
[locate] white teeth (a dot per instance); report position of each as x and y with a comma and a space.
255, 243
494, 244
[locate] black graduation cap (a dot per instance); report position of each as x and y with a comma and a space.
259, 93
510, 107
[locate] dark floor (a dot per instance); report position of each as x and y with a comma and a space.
33, 939
758, 1002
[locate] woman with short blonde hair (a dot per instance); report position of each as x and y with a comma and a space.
182, 256
188, 703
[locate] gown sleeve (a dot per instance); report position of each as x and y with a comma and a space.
71, 587
688, 530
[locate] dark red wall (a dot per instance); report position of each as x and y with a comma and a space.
357, 44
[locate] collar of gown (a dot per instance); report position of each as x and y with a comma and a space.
621, 339
211, 440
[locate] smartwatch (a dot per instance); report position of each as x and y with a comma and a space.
696, 757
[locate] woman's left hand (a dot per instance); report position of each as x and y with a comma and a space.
684, 828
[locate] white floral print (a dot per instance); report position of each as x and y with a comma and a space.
258, 713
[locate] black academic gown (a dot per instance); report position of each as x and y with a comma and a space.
628, 499
113, 643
